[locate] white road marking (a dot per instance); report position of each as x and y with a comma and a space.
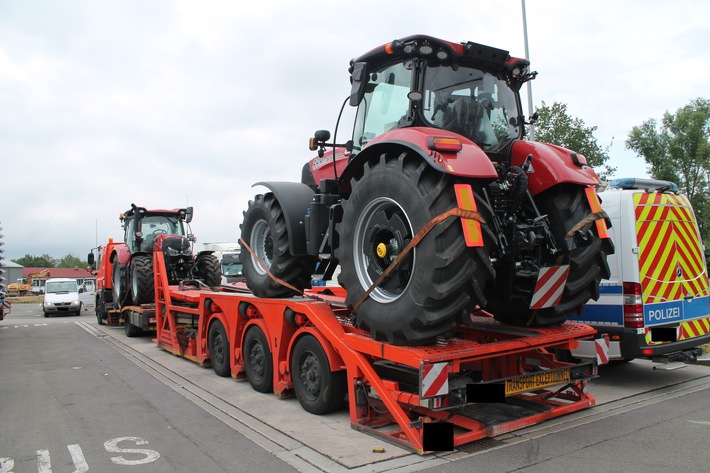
112, 446
6, 465
77, 456
44, 464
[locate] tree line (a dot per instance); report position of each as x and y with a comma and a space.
46, 261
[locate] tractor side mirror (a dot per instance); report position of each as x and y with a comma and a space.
188, 214
359, 78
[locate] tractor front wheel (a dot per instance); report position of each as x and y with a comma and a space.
210, 271
120, 292
264, 230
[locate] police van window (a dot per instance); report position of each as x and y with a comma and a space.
384, 104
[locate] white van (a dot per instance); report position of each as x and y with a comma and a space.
61, 296
655, 304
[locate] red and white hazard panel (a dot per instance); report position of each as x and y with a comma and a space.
434, 379
550, 284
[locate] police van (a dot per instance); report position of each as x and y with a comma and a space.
655, 304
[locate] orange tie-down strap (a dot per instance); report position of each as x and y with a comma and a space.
455, 212
592, 217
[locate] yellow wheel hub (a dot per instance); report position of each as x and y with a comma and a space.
381, 250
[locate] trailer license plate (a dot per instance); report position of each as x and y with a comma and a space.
530, 382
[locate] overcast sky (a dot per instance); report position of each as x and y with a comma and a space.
172, 103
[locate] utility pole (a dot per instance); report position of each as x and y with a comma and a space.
527, 56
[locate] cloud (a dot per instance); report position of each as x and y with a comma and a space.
174, 103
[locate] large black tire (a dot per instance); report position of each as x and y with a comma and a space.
439, 283
130, 329
218, 345
318, 389
210, 270
565, 206
258, 362
142, 284
121, 294
264, 230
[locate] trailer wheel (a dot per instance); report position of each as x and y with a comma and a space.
258, 362
210, 270
130, 329
264, 230
318, 389
565, 205
142, 284
439, 282
218, 344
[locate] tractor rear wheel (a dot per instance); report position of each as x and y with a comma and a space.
142, 285
438, 283
264, 230
565, 205
210, 271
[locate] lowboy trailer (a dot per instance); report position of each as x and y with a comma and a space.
424, 398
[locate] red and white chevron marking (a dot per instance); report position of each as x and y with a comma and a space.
435, 380
550, 284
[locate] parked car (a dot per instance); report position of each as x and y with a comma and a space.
61, 296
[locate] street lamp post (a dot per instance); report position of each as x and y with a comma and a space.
527, 56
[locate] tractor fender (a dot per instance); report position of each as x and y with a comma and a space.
121, 254
295, 199
469, 161
552, 165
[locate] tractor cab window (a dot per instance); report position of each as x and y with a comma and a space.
473, 103
155, 225
384, 104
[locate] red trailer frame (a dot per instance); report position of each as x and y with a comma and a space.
415, 397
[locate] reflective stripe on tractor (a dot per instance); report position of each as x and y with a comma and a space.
471, 228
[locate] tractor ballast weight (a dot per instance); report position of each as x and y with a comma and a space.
439, 126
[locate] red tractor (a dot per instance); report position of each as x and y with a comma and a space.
514, 227
131, 262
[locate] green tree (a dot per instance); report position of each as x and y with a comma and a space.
30, 261
678, 149
556, 126
71, 261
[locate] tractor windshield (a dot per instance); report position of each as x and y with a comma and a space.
472, 103
151, 226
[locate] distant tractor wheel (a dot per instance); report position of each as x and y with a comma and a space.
264, 230
438, 283
120, 292
565, 205
218, 345
142, 285
318, 389
258, 363
210, 270
130, 329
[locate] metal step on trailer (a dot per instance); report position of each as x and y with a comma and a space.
674, 365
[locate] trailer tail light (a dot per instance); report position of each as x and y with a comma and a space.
633, 305
445, 144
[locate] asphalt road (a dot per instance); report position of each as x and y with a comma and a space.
70, 402
75, 396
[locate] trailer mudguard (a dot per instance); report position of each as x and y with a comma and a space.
295, 199
334, 359
552, 165
468, 161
